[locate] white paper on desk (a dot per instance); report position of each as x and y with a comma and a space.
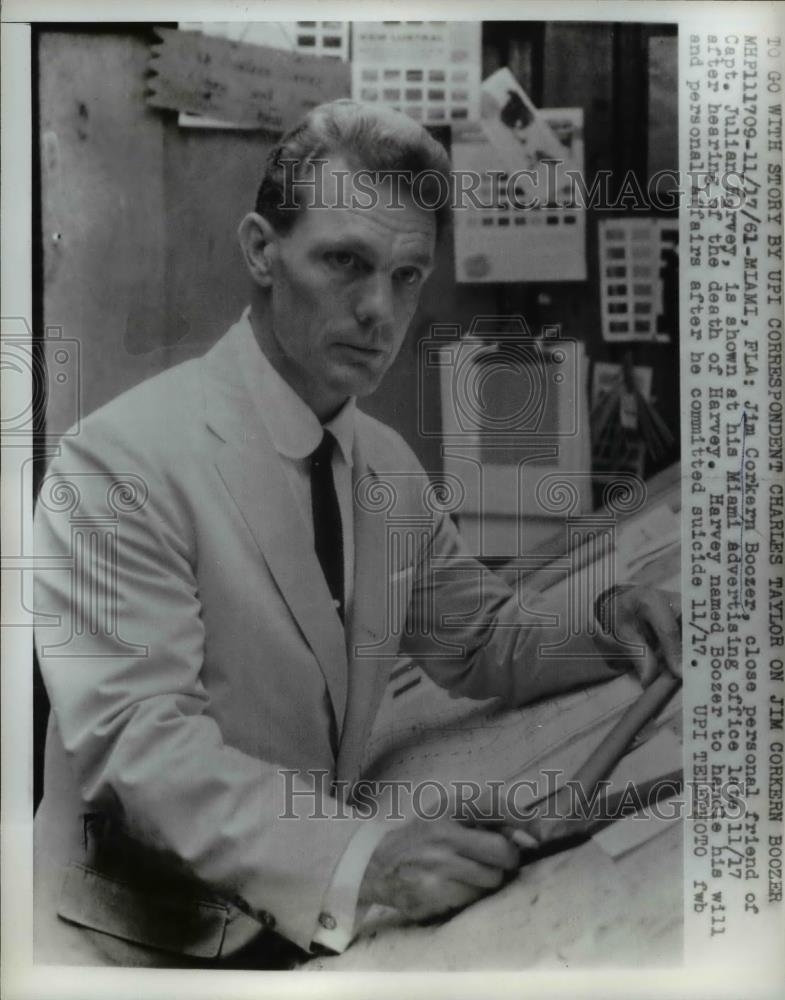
646, 538
436, 737
626, 834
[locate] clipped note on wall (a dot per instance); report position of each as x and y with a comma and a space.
329, 39
250, 85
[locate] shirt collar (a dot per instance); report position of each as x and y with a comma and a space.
293, 426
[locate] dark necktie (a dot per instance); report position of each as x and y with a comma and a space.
327, 529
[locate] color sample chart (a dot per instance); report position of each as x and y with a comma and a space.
498, 237
632, 255
430, 70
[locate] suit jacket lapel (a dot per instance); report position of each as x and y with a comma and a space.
252, 473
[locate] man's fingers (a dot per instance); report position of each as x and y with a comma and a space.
457, 894
526, 841
671, 640
651, 618
485, 846
473, 873
662, 618
626, 640
647, 665
426, 868
640, 655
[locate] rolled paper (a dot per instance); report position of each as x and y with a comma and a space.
600, 763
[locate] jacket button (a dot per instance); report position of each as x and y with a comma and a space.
267, 920
327, 920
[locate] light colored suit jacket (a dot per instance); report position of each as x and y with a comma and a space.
190, 650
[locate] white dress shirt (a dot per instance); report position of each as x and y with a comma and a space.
296, 432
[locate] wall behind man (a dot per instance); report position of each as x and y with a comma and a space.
139, 220
139, 216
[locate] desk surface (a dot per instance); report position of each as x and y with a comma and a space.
577, 908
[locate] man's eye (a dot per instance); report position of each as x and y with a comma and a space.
343, 260
409, 275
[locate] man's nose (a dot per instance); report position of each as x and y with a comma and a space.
374, 306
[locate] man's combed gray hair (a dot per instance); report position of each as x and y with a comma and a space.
375, 139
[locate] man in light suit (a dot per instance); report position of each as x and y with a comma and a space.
213, 665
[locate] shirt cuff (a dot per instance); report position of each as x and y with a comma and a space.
340, 914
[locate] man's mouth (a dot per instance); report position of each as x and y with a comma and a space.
363, 349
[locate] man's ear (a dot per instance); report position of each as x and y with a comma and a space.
259, 243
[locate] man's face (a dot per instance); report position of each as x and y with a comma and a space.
345, 283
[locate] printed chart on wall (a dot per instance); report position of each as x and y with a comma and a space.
633, 256
519, 224
428, 69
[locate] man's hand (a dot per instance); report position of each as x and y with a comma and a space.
644, 616
429, 867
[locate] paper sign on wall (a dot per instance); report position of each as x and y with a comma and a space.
329, 39
428, 69
498, 235
523, 137
251, 85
